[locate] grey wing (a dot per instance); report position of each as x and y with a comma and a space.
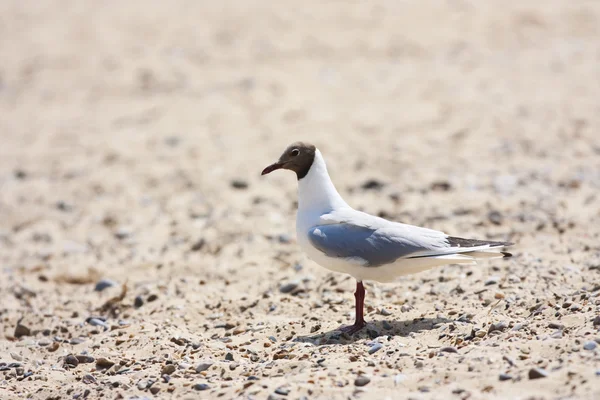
373, 246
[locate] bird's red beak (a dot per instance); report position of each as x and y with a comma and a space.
272, 168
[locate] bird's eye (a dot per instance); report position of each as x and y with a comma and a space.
294, 152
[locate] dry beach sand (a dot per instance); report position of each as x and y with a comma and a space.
132, 139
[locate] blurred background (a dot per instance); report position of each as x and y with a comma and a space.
132, 134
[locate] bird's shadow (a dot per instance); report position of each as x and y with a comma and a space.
373, 330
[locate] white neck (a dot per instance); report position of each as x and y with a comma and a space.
316, 191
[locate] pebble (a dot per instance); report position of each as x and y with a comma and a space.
122, 233
282, 391
203, 366
71, 361
556, 325
537, 373
596, 321
77, 340
198, 245
239, 184
505, 377
498, 326
104, 284
362, 380
495, 217
138, 302
168, 369
155, 389
21, 330
201, 386
284, 238
88, 379
399, 378
151, 298
376, 347
98, 322
104, 363
228, 357
591, 345
143, 384
386, 325
492, 280
16, 357
372, 184
448, 349
558, 334
385, 312
289, 287
83, 359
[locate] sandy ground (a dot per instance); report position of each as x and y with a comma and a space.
132, 137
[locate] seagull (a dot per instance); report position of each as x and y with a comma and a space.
368, 248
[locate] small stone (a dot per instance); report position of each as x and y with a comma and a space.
495, 217
20, 174
21, 330
504, 377
372, 184
53, 347
122, 233
558, 334
385, 312
376, 347
104, 284
440, 186
282, 391
596, 321
289, 287
143, 384
575, 307
362, 380
386, 325
16, 357
98, 322
138, 302
284, 238
492, 280
71, 361
203, 366
152, 297
448, 349
239, 184
480, 333
537, 373
201, 386
198, 245
590, 345
228, 357
168, 369
88, 379
76, 340
83, 359
556, 325
498, 326
104, 363
155, 389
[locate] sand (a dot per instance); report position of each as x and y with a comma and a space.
132, 139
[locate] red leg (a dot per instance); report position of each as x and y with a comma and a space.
359, 322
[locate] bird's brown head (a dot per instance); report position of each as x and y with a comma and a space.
298, 157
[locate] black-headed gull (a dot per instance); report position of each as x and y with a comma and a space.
341, 239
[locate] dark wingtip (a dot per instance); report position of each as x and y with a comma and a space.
506, 254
